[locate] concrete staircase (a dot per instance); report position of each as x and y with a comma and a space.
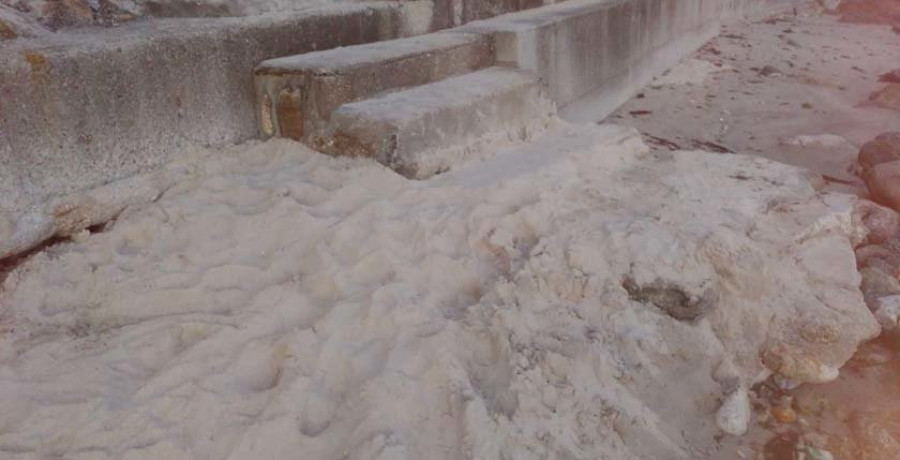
420, 105
417, 105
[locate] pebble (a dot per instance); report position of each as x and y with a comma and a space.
882, 223
880, 256
733, 416
883, 181
877, 284
795, 364
784, 414
890, 77
884, 148
887, 312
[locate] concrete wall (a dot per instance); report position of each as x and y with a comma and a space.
596, 54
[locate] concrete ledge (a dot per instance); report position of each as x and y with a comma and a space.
300, 92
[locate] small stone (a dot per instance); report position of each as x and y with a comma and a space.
888, 97
885, 148
793, 363
770, 71
879, 256
674, 300
82, 236
811, 404
887, 312
830, 5
784, 414
815, 453
7, 32
733, 416
67, 13
882, 223
877, 284
784, 383
883, 182
890, 77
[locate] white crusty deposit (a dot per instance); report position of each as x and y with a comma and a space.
581, 297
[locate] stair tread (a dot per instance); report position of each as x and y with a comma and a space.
339, 59
455, 91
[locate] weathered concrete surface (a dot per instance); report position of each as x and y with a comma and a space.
424, 130
323, 81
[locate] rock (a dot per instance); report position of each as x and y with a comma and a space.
784, 414
793, 363
770, 71
882, 223
673, 300
7, 32
890, 77
830, 5
874, 440
820, 141
877, 284
733, 417
67, 13
812, 404
885, 148
883, 182
880, 257
816, 453
887, 312
888, 97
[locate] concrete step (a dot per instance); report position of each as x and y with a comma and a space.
298, 94
422, 131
